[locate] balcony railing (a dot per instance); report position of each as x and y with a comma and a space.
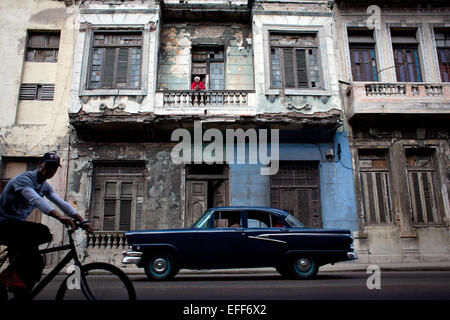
391, 98
402, 89
205, 101
106, 239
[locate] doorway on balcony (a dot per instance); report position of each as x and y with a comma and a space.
206, 187
208, 62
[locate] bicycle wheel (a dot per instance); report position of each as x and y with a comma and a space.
97, 281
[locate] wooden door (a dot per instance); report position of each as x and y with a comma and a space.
196, 200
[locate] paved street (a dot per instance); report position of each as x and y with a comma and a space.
398, 285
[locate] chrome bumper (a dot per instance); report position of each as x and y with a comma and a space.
131, 257
352, 256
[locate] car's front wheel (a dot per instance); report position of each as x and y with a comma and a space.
160, 266
303, 267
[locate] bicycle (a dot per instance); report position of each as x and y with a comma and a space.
85, 282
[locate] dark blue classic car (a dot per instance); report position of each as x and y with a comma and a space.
239, 237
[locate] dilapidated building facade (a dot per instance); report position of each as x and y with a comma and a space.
38, 38
108, 85
395, 72
265, 66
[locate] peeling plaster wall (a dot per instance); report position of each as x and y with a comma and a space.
298, 17
162, 197
404, 240
135, 14
175, 54
31, 128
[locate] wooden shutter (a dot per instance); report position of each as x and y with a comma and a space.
108, 72
47, 92
126, 204
109, 215
28, 91
289, 77
122, 67
302, 77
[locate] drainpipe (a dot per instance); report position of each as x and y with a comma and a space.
67, 178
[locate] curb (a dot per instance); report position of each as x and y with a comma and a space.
324, 269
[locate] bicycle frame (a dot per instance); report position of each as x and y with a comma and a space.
72, 254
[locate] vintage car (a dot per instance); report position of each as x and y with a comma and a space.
239, 237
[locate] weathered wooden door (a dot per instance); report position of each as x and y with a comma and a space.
196, 200
206, 187
296, 189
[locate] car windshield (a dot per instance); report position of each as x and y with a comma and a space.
294, 222
203, 222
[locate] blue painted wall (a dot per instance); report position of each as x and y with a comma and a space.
249, 188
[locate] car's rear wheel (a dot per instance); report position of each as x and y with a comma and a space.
302, 267
160, 266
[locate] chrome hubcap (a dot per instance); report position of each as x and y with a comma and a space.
160, 265
304, 265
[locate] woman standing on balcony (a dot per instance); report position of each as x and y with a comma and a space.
197, 85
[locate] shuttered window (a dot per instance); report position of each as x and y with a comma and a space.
42, 46
443, 52
362, 55
117, 198
406, 55
33, 91
294, 61
375, 186
422, 186
116, 60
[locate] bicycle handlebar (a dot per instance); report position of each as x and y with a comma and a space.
79, 224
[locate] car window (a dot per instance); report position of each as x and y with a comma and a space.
261, 219
255, 223
227, 219
293, 222
203, 222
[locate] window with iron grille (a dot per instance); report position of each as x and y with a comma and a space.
362, 55
296, 189
406, 55
35, 91
421, 174
115, 60
117, 196
42, 46
442, 38
294, 61
375, 186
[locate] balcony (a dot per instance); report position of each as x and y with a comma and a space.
368, 98
205, 102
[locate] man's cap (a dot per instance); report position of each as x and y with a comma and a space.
51, 157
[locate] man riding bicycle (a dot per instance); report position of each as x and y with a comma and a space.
23, 194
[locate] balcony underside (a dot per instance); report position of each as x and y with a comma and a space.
148, 127
174, 12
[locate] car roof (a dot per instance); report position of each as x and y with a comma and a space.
242, 208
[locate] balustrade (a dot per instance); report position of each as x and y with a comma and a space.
210, 98
107, 240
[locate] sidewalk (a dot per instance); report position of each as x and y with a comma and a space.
338, 267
